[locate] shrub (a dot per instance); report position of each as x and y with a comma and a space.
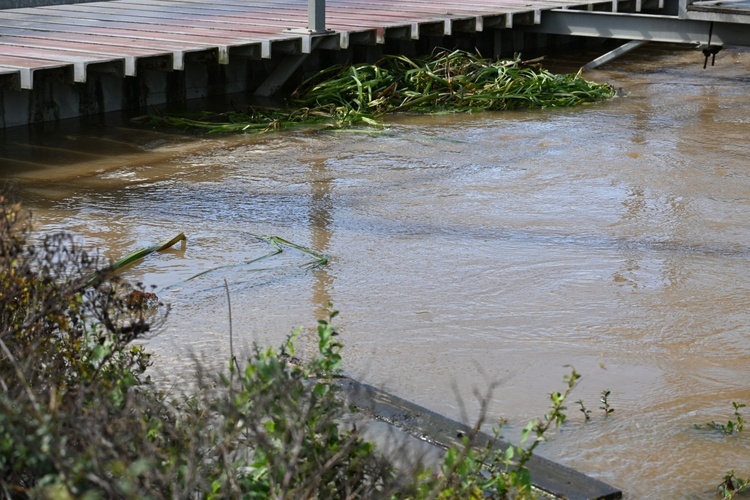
67, 367
79, 418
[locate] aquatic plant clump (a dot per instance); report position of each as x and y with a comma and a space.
456, 81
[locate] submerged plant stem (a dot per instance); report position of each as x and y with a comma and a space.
133, 258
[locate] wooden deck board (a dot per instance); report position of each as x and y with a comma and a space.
202, 37
223, 26
60, 29
200, 19
179, 44
159, 25
18, 36
731, 7
124, 31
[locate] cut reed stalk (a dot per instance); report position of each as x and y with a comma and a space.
132, 259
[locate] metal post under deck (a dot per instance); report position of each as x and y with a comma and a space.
316, 16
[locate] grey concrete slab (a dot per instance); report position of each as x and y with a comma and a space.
430, 427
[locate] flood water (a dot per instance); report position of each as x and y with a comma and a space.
466, 250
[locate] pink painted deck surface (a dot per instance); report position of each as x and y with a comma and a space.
116, 35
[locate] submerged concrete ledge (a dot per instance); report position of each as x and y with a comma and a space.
403, 416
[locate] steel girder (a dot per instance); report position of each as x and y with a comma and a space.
645, 27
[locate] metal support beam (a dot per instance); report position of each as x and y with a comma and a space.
641, 27
614, 54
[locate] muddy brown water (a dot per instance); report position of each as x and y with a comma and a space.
465, 250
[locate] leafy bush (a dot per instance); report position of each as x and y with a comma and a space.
79, 418
66, 361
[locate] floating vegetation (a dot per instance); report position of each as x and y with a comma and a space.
448, 82
253, 271
132, 258
278, 244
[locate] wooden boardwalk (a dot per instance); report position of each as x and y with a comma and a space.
117, 35
87, 59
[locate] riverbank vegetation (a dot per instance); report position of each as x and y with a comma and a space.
447, 82
80, 417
